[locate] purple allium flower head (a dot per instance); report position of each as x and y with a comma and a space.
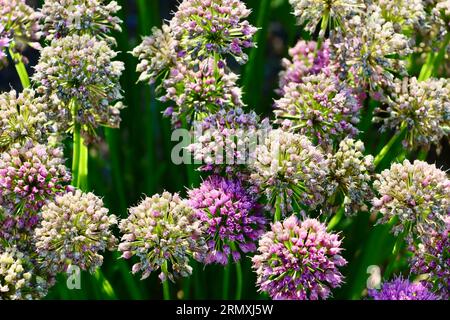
224, 141
432, 257
305, 60
4, 43
321, 108
298, 260
79, 78
157, 54
207, 26
402, 289
31, 175
423, 106
201, 90
232, 217
418, 194
290, 170
61, 18
163, 232
75, 228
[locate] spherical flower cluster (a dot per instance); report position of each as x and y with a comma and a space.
404, 14
226, 139
320, 108
330, 12
298, 260
402, 289
19, 25
350, 176
205, 27
30, 175
75, 227
61, 18
232, 217
157, 54
4, 44
423, 107
432, 257
368, 52
418, 194
305, 60
78, 75
289, 170
22, 118
18, 280
200, 91
163, 233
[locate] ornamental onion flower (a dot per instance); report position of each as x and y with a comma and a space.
4, 44
423, 106
417, 194
199, 91
350, 176
402, 289
320, 108
163, 232
208, 27
19, 277
75, 228
305, 60
298, 260
404, 14
157, 54
77, 76
31, 175
61, 18
289, 170
232, 217
23, 118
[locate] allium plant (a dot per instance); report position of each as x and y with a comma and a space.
208, 27
298, 260
420, 108
163, 233
404, 14
402, 289
416, 195
320, 108
60, 18
232, 218
290, 171
79, 78
74, 230
4, 44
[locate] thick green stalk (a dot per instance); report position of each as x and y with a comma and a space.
20, 68
398, 136
106, 287
165, 283
226, 282
336, 218
434, 60
238, 280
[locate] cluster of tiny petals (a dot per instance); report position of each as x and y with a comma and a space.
22, 118
200, 90
205, 27
231, 215
350, 175
289, 169
60, 18
418, 194
19, 25
305, 59
423, 106
402, 13
432, 257
75, 228
4, 44
402, 289
311, 12
156, 53
30, 175
368, 50
163, 232
226, 138
77, 75
298, 260
320, 108
17, 278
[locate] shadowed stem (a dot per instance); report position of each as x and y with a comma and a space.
336, 218
382, 154
433, 61
165, 283
20, 68
226, 281
277, 216
238, 274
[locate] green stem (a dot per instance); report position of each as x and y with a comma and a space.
76, 154
323, 29
83, 166
336, 218
165, 283
106, 287
226, 281
20, 68
238, 275
382, 154
433, 62
277, 209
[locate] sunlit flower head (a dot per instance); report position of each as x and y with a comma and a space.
402, 289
